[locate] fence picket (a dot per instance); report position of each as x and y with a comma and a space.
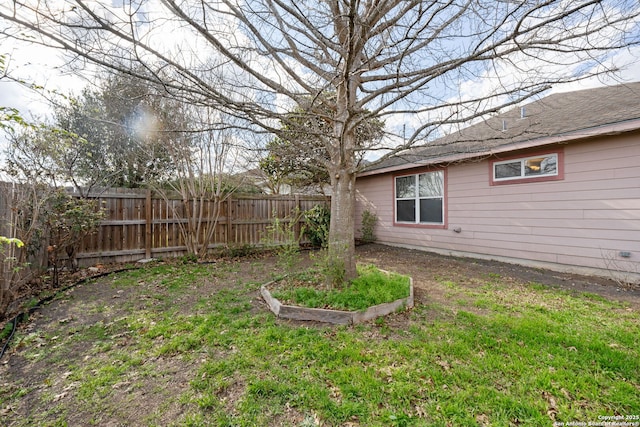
139, 224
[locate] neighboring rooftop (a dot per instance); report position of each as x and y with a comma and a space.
555, 118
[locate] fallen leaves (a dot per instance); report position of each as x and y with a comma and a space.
57, 397
7, 410
420, 411
335, 392
483, 420
552, 407
443, 364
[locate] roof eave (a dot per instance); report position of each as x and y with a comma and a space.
581, 134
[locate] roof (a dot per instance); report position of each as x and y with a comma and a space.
560, 117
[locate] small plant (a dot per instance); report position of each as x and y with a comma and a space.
369, 221
334, 273
282, 235
9, 268
240, 250
189, 258
6, 331
316, 228
69, 220
621, 270
332, 269
9, 241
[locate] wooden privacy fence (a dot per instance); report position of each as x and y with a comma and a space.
139, 224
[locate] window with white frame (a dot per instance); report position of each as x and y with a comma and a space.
420, 198
526, 167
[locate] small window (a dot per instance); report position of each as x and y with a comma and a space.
507, 170
420, 198
539, 167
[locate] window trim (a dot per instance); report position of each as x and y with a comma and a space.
558, 176
431, 225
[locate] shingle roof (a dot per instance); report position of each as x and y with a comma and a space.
557, 115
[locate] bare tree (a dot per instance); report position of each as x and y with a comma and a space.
401, 61
202, 159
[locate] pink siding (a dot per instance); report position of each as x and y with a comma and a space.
584, 220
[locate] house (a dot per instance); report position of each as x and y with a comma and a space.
554, 184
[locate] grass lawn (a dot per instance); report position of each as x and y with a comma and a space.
192, 345
370, 288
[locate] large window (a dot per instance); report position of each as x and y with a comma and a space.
420, 198
538, 167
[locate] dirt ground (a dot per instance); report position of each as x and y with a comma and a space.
75, 309
426, 268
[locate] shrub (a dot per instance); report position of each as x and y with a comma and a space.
9, 269
316, 227
369, 220
69, 220
239, 250
281, 234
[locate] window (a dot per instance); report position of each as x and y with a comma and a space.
541, 167
420, 198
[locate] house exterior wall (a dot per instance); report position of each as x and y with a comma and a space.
579, 223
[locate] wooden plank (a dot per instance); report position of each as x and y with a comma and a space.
316, 314
106, 254
297, 227
139, 221
155, 235
148, 229
339, 317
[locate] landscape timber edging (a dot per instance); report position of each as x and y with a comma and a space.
338, 317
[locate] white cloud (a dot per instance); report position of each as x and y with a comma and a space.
627, 69
36, 65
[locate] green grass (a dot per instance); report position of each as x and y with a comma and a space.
507, 355
371, 287
5, 332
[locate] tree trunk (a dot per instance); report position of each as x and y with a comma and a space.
342, 253
342, 263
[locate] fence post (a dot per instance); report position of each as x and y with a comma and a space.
298, 211
229, 219
148, 224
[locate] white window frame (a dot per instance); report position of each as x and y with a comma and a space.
523, 161
417, 199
